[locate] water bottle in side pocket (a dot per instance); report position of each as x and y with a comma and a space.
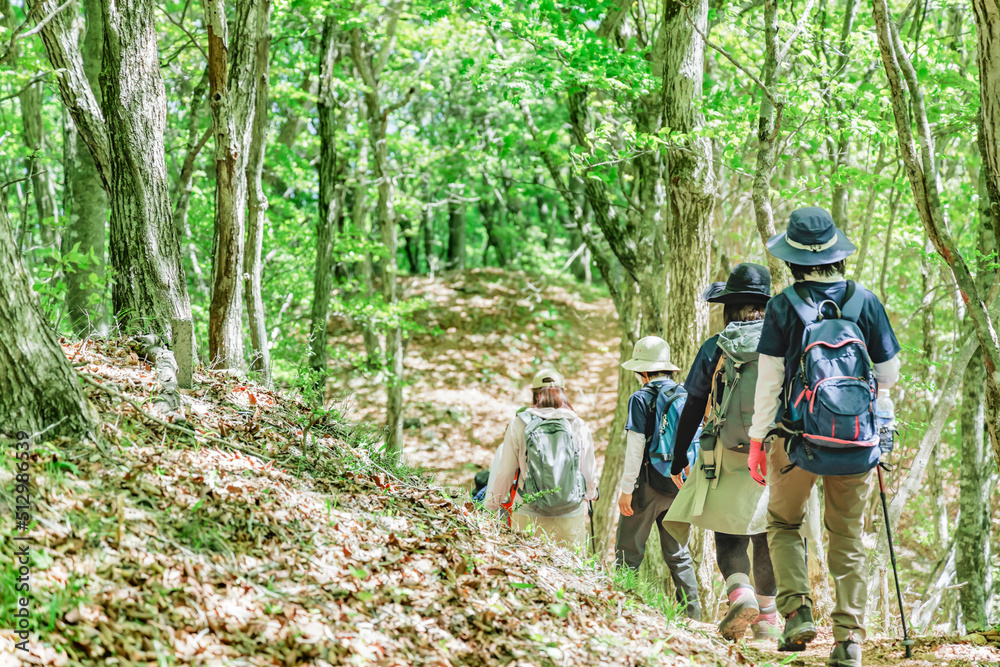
885, 420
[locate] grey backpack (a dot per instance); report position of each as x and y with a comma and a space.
730, 414
552, 482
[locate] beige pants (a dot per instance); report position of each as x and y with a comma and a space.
845, 497
569, 531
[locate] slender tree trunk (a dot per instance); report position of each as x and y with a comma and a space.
88, 215
232, 96
256, 199
370, 70
38, 389
456, 237
924, 177
427, 229
973, 533
866, 232
33, 136
149, 287
196, 140
972, 539
606, 507
763, 211
331, 191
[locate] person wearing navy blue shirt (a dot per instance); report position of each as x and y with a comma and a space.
814, 250
645, 494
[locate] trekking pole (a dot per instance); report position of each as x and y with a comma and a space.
907, 642
590, 511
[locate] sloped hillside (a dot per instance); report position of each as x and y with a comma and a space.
158, 548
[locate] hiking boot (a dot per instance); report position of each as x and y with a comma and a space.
799, 630
767, 626
845, 654
743, 608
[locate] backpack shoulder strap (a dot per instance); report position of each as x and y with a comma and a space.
526, 417
854, 301
806, 312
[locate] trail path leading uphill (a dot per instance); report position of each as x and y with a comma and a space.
488, 331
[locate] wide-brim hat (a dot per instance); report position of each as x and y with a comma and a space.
713, 290
811, 239
547, 377
651, 353
747, 283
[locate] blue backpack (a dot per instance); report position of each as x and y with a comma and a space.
830, 403
659, 454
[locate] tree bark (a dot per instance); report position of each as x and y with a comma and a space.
88, 216
370, 70
690, 182
196, 140
256, 199
231, 100
766, 136
924, 178
606, 507
33, 136
74, 87
456, 237
149, 287
38, 389
332, 190
973, 534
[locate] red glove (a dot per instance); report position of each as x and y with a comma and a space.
757, 462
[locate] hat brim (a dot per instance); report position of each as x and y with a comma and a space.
843, 248
740, 297
641, 366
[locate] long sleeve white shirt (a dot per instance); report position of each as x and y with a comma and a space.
635, 444
511, 457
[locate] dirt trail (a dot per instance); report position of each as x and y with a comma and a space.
487, 332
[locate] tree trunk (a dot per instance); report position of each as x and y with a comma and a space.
231, 100
427, 229
88, 216
924, 178
331, 191
370, 70
196, 140
973, 533
33, 135
256, 199
456, 237
149, 287
972, 538
38, 389
689, 179
606, 507
766, 136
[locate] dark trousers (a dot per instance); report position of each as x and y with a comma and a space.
650, 507
731, 554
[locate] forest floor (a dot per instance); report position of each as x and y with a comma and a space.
155, 547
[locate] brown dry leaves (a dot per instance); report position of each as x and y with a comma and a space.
207, 556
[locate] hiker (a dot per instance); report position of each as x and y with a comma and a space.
827, 350
720, 495
646, 489
546, 466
